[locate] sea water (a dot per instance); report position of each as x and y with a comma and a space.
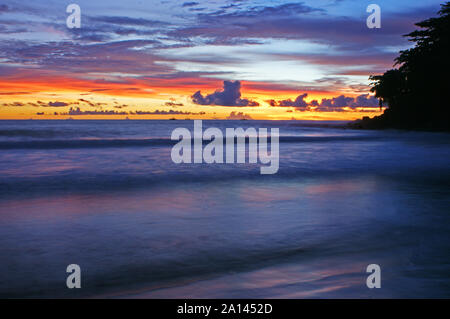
105, 195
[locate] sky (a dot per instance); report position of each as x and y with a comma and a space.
160, 59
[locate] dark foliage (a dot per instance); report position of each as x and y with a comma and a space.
416, 92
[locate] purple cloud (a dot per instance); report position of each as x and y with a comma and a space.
238, 116
334, 104
170, 112
57, 104
366, 100
78, 111
229, 96
189, 4
4, 8
299, 102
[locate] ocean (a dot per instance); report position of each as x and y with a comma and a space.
105, 195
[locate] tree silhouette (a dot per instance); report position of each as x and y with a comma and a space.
416, 91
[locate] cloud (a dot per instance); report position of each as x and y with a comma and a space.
173, 104
57, 104
14, 93
363, 100
123, 57
78, 111
229, 96
336, 104
87, 102
4, 8
314, 103
299, 102
189, 4
14, 104
282, 10
366, 100
238, 116
170, 112
302, 22
123, 20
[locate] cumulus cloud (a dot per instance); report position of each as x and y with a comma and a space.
335, 104
229, 96
299, 102
238, 116
363, 100
366, 100
314, 103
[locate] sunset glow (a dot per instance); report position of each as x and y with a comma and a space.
125, 63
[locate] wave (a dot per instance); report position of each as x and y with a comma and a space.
172, 270
30, 133
103, 143
200, 174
